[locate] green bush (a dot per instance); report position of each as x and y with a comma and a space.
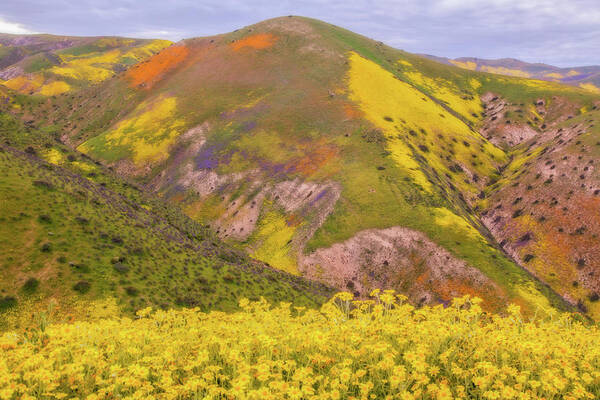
82, 287
7, 303
31, 285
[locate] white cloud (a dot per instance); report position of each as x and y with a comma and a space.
156, 34
13, 27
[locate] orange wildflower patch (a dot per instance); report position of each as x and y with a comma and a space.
451, 288
561, 249
315, 160
294, 220
258, 41
352, 112
146, 74
177, 198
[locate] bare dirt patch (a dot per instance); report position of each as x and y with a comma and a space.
398, 258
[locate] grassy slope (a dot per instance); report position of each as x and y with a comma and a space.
556, 255
455, 89
551, 180
67, 220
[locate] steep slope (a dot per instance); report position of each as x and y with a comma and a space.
324, 154
78, 242
587, 77
544, 211
50, 65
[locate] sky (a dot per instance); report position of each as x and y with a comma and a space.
558, 32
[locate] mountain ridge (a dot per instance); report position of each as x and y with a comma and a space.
587, 76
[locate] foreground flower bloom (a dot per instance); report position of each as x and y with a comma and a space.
380, 349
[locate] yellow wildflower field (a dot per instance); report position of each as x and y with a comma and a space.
378, 349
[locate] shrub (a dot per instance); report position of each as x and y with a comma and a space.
80, 267
202, 280
525, 238
30, 150
131, 291
82, 287
517, 213
43, 184
82, 220
7, 303
121, 268
31, 285
45, 218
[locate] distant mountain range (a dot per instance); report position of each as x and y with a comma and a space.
585, 77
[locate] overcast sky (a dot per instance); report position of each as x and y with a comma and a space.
559, 32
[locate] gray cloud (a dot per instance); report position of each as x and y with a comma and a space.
564, 33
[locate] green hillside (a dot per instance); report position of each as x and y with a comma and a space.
78, 242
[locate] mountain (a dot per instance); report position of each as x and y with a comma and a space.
341, 160
587, 77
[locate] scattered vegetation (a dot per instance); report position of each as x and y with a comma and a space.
82, 241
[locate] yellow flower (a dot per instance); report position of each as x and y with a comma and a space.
344, 296
514, 309
144, 312
434, 353
243, 303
